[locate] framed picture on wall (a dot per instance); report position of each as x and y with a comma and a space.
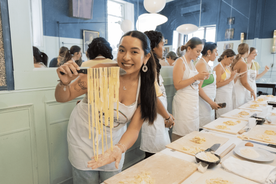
229, 34
88, 36
228, 46
230, 20
167, 50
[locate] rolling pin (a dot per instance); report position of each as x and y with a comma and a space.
225, 152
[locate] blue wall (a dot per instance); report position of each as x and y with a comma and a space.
54, 11
253, 17
58, 10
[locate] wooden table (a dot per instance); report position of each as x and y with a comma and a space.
267, 85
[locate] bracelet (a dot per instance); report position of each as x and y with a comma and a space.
194, 78
124, 147
62, 84
168, 118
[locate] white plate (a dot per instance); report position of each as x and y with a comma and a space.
264, 156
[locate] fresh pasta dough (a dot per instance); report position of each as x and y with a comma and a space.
218, 181
102, 91
141, 178
198, 140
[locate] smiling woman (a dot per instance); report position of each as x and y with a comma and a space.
137, 99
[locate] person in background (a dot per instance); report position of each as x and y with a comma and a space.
241, 84
171, 58
138, 103
155, 137
99, 51
40, 58
163, 62
179, 52
74, 54
186, 82
225, 81
56, 62
253, 68
207, 88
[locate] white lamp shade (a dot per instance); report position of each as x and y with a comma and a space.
126, 26
149, 21
186, 28
154, 6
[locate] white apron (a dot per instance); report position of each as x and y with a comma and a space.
185, 105
251, 78
80, 147
154, 138
206, 113
224, 95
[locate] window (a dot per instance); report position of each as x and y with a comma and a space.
208, 33
117, 11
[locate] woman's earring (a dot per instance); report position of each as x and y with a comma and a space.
145, 68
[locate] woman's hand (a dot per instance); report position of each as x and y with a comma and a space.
253, 94
67, 68
108, 157
170, 122
266, 68
202, 76
214, 105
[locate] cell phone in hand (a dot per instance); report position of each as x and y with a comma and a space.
222, 105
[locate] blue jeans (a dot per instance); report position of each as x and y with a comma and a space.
91, 177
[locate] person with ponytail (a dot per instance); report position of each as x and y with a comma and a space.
56, 62
74, 54
155, 137
253, 68
207, 88
99, 51
186, 81
225, 81
40, 58
137, 97
241, 84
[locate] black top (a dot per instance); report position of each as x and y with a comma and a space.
53, 62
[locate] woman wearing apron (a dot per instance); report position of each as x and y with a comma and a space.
253, 67
186, 81
225, 81
137, 98
207, 88
241, 85
155, 137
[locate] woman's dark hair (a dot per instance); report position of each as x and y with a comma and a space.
40, 56
99, 46
192, 43
208, 46
228, 53
252, 49
70, 53
242, 49
172, 55
155, 38
148, 98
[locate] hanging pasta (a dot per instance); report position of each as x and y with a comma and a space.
103, 91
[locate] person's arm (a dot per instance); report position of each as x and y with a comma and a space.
242, 68
201, 67
64, 90
219, 81
178, 71
126, 141
262, 74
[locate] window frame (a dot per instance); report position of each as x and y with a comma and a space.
7, 46
204, 32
